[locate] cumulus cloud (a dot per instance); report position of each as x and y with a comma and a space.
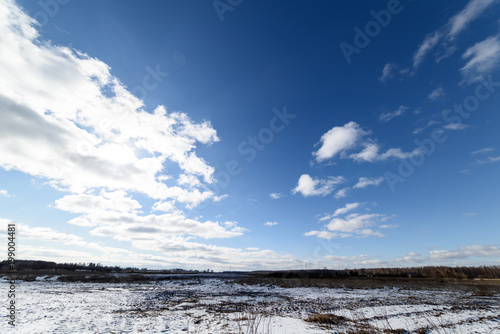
58, 122
339, 139
351, 225
69, 121
386, 117
270, 223
49, 244
5, 193
369, 153
483, 57
115, 214
308, 186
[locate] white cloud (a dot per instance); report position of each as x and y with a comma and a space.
5, 193
308, 186
488, 160
369, 153
483, 151
352, 225
165, 206
116, 201
321, 234
483, 58
347, 208
339, 139
387, 72
364, 182
429, 124
220, 198
386, 117
276, 195
466, 252
341, 193
58, 124
455, 126
398, 153
270, 223
446, 35
436, 93
427, 45
389, 226
51, 245
114, 214
472, 11
341, 211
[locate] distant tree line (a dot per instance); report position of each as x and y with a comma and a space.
417, 272
97, 267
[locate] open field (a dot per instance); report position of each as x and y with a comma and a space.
254, 304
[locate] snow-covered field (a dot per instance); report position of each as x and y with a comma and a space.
211, 305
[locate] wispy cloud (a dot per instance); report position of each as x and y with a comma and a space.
341, 211
482, 57
341, 193
466, 252
386, 117
364, 182
483, 151
388, 72
436, 93
446, 35
429, 124
455, 126
276, 195
488, 160
270, 223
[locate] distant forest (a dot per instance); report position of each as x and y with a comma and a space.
23, 265
491, 272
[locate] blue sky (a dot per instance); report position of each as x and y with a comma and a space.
251, 135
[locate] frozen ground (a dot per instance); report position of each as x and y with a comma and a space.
203, 305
